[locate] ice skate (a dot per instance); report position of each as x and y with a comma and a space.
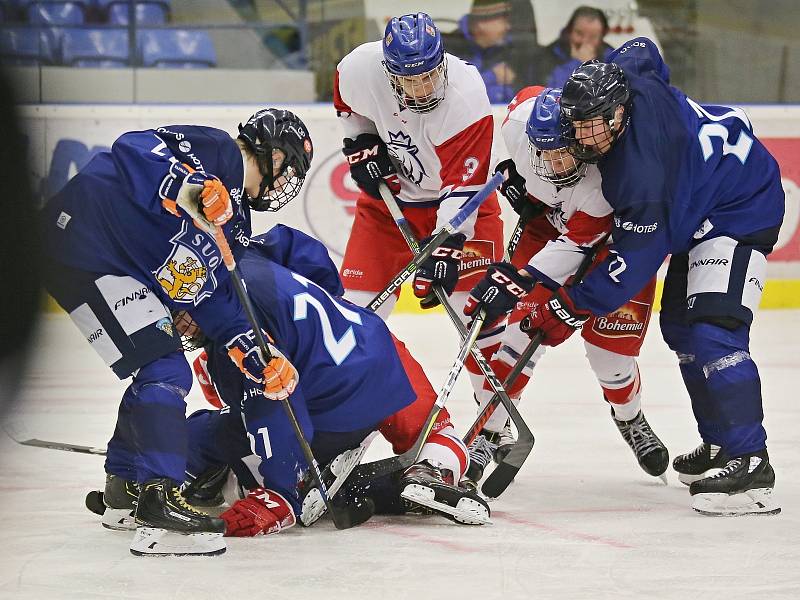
743, 487
486, 447
425, 485
334, 475
650, 451
168, 526
206, 488
119, 497
703, 461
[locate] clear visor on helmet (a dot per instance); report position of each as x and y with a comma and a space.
419, 93
556, 166
284, 186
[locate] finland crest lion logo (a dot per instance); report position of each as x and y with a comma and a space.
184, 274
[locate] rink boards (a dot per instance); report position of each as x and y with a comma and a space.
62, 138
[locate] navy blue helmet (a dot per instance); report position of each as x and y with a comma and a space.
414, 62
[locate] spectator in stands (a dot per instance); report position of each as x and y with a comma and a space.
580, 40
506, 59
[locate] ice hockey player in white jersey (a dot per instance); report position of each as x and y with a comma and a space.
573, 217
419, 120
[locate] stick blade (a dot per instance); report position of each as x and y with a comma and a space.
502, 476
63, 446
352, 515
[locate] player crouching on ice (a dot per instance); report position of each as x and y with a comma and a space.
355, 378
122, 255
573, 216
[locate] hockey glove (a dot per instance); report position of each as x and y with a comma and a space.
278, 376
557, 319
370, 164
440, 268
208, 192
513, 188
262, 512
200, 367
498, 292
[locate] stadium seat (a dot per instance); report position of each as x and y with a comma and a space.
147, 13
23, 46
176, 48
95, 47
55, 13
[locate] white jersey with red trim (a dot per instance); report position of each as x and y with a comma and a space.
580, 213
443, 155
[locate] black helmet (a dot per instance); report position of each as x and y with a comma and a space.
594, 89
276, 129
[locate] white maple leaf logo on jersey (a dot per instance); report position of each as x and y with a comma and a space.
405, 152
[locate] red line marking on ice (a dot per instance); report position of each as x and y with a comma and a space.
563, 532
399, 531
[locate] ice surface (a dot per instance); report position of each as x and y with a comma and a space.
581, 521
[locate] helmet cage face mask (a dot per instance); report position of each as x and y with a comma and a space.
419, 93
192, 337
556, 166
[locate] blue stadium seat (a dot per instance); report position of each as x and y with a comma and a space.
95, 47
56, 13
176, 48
147, 13
26, 46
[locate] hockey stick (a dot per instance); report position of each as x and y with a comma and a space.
62, 446
421, 254
526, 440
503, 474
372, 470
345, 516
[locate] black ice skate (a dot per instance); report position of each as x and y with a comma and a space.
168, 526
486, 447
651, 453
743, 487
425, 485
206, 489
120, 497
695, 465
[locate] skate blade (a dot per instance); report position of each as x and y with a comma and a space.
663, 478
151, 541
467, 511
119, 519
687, 479
752, 502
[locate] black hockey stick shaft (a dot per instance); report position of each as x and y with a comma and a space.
344, 517
421, 254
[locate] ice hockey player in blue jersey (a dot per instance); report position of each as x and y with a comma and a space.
355, 379
692, 181
122, 255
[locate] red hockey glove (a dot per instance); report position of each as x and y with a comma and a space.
262, 512
278, 375
557, 319
200, 367
370, 164
498, 292
440, 268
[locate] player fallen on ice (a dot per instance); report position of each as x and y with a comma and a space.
418, 120
356, 378
573, 216
122, 255
692, 181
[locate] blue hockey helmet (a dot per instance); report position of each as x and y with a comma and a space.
549, 134
414, 62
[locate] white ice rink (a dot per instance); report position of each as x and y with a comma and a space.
581, 521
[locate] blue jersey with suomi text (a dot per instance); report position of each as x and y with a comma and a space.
111, 219
351, 376
680, 172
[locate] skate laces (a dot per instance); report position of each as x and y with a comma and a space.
481, 450
733, 465
179, 499
639, 436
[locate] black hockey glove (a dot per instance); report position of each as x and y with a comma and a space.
513, 187
370, 164
498, 292
441, 268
